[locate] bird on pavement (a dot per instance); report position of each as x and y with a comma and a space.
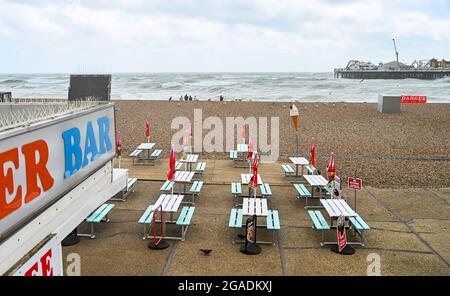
206, 252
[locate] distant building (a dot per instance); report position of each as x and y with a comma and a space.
434, 63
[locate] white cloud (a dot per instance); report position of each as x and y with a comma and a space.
289, 31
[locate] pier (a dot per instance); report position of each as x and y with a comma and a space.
391, 74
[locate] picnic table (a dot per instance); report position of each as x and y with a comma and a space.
315, 181
254, 206
242, 148
183, 177
189, 160
170, 203
299, 161
245, 179
146, 146
337, 207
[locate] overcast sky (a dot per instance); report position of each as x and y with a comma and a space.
69, 36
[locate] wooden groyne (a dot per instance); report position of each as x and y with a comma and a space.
392, 74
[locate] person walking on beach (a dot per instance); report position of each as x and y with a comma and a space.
181, 98
186, 97
221, 98
190, 98
170, 99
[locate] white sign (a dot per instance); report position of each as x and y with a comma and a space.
45, 262
39, 164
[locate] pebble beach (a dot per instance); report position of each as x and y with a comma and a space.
410, 149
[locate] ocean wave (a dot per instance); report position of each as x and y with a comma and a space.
171, 85
14, 81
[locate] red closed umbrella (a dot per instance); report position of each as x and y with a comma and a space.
118, 145
254, 178
313, 152
172, 161
147, 130
250, 148
331, 167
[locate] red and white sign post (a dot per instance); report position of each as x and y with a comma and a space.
355, 184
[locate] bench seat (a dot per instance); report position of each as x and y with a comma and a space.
156, 154
311, 169
196, 187
235, 218
99, 215
236, 189
131, 183
265, 190
167, 186
288, 170
233, 155
359, 223
200, 168
147, 219
273, 220
184, 220
178, 166
302, 191
135, 153
319, 223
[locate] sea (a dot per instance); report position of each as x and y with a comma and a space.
306, 87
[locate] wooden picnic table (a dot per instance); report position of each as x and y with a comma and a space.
189, 160
299, 161
170, 203
316, 181
183, 177
254, 206
146, 146
245, 179
242, 148
337, 207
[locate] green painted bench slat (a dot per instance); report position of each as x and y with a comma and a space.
236, 188
135, 153
131, 182
156, 153
359, 223
196, 187
201, 167
265, 189
273, 220
235, 218
186, 216
302, 191
167, 186
233, 154
100, 213
147, 217
318, 220
287, 169
311, 169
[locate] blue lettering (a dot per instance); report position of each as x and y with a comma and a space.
103, 134
90, 145
72, 150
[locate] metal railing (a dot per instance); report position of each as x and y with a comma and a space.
29, 111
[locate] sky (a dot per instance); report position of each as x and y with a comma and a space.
110, 36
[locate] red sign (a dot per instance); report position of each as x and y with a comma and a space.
354, 183
341, 234
414, 100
